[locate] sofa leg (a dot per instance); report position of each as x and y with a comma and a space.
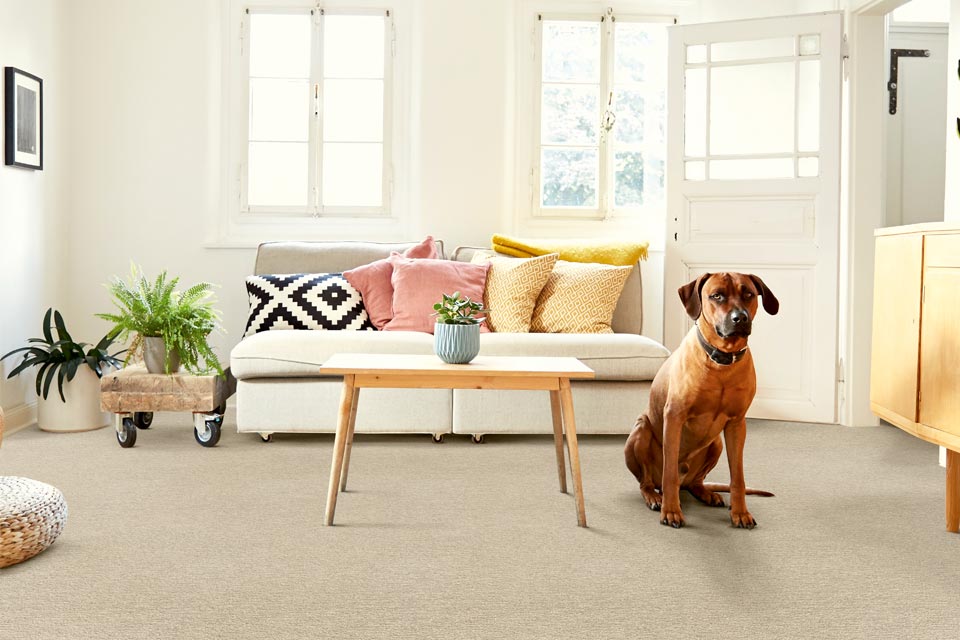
478, 438
266, 437
438, 438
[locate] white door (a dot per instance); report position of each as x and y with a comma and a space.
753, 165
916, 146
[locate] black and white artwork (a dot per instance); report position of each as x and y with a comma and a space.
23, 119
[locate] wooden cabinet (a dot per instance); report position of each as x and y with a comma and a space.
915, 368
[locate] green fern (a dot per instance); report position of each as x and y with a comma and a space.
158, 310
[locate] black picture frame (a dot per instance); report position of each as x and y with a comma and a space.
23, 119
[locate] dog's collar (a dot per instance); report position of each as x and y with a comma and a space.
718, 356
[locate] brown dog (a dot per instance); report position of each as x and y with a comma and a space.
704, 388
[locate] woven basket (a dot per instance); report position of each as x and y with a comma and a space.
32, 515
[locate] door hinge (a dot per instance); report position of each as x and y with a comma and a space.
393, 37
242, 26
895, 55
317, 13
845, 57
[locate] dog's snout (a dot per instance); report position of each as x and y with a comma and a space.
739, 317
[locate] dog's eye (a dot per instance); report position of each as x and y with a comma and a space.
748, 295
716, 296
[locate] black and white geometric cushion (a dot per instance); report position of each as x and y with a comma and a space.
317, 301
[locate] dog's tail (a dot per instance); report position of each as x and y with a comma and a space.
725, 488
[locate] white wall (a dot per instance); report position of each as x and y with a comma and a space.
31, 238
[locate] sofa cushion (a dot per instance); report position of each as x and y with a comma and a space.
612, 356
374, 282
513, 286
579, 297
420, 284
318, 301
284, 354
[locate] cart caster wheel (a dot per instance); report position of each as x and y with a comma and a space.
143, 419
266, 437
477, 438
209, 436
438, 438
127, 437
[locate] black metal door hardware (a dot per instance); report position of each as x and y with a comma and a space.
895, 55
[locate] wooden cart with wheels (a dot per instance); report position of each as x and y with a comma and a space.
133, 395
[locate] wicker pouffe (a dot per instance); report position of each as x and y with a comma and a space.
32, 515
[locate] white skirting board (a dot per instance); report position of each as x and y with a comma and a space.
19, 417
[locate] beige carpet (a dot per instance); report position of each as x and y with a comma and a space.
171, 540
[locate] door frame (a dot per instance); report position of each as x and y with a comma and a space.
862, 200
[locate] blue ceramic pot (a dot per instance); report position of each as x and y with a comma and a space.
456, 343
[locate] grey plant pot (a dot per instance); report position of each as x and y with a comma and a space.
456, 343
154, 356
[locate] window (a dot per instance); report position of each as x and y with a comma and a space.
600, 117
314, 136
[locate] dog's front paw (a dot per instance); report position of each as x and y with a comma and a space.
652, 498
743, 520
672, 517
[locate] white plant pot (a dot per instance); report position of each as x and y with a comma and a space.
81, 411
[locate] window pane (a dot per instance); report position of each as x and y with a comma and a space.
571, 51
639, 52
751, 49
810, 44
630, 109
808, 117
569, 177
696, 53
752, 109
695, 170
353, 110
353, 46
277, 174
808, 167
695, 113
569, 114
279, 110
758, 168
280, 45
638, 181
352, 174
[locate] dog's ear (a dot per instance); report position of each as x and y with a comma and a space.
770, 303
690, 295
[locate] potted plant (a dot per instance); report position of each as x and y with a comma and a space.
77, 370
169, 327
456, 336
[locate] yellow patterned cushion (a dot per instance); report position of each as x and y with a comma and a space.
512, 289
579, 297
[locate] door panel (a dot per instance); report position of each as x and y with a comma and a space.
753, 186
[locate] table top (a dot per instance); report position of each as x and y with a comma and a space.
500, 366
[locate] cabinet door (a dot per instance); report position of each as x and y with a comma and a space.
895, 360
940, 338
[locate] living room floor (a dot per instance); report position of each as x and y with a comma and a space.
459, 540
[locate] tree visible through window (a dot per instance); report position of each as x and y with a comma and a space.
601, 115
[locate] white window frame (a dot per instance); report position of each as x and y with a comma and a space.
648, 221
242, 225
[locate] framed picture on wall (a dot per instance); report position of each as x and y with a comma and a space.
23, 119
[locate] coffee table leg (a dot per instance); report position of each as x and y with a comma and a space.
350, 428
570, 426
558, 438
339, 444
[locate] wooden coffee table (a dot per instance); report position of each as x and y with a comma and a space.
365, 370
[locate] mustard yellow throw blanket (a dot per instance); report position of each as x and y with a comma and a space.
620, 254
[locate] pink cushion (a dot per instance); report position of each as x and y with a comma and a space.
373, 282
419, 284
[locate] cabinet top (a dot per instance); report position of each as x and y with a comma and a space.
923, 227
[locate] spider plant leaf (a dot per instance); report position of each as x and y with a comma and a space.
26, 364
72, 367
60, 377
61, 327
47, 333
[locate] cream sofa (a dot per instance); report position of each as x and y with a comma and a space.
280, 387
